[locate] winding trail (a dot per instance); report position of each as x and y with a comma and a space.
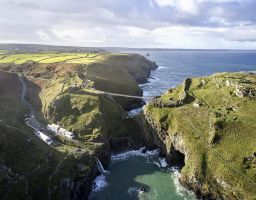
32, 122
23, 94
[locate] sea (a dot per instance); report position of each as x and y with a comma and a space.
145, 176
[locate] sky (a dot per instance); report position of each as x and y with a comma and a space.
193, 24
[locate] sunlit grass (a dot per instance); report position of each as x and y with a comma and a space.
236, 139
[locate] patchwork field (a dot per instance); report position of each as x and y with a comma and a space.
78, 58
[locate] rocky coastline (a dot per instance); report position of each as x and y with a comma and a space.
172, 129
189, 124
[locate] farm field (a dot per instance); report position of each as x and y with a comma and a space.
50, 57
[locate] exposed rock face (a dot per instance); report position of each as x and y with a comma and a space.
175, 103
186, 84
205, 131
78, 188
245, 92
59, 92
119, 144
176, 158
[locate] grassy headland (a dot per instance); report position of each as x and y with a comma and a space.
62, 88
212, 123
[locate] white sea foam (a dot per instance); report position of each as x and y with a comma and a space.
157, 164
134, 112
180, 189
152, 80
161, 67
163, 162
133, 191
99, 183
128, 154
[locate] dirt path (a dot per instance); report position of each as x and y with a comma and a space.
32, 122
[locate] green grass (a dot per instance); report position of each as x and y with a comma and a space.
40, 57
48, 57
53, 81
25, 154
236, 137
2, 52
111, 72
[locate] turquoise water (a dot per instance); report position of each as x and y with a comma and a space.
129, 174
126, 177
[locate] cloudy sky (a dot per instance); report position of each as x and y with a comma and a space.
132, 23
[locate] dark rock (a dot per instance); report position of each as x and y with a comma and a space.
144, 150
187, 83
176, 158
118, 144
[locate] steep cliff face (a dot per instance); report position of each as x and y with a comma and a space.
211, 129
63, 89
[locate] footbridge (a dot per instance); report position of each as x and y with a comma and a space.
123, 95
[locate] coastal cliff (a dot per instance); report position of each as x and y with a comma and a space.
64, 89
206, 126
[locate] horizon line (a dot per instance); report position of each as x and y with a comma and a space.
135, 48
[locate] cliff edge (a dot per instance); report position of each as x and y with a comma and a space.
207, 126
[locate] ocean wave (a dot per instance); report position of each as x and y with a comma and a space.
139, 152
137, 192
163, 162
133, 191
180, 189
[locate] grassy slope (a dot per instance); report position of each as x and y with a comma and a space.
50, 79
233, 137
54, 74
74, 108
29, 157
112, 72
21, 156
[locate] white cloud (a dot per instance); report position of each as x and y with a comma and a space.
189, 6
79, 35
165, 2
133, 23
241, 34
42, 35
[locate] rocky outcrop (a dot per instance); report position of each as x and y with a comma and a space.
175, 103
214, 119
241, 91
119, 144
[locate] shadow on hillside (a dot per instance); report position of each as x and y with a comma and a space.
32, 96
22, 153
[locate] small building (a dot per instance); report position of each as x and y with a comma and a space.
53, 127
60, 131
44, 137
66, 133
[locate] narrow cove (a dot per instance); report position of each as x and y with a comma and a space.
132, 175
139, 175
